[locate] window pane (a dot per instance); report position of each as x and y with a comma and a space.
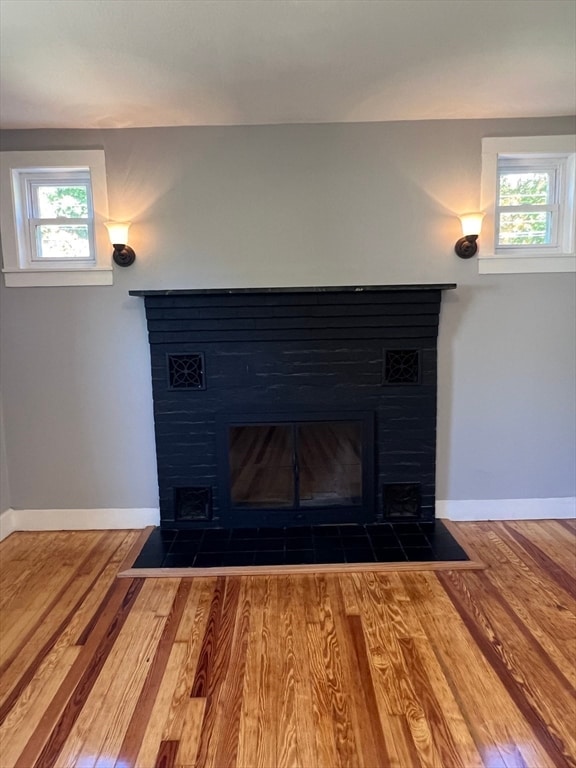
330, 455
262, 466
69, 202
524, 188
63, 242
525, 228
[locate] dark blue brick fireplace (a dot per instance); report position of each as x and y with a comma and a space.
294, 406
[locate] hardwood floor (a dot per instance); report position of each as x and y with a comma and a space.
452, 669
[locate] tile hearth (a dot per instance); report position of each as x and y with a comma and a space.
305, 545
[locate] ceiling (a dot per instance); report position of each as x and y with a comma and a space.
127, 63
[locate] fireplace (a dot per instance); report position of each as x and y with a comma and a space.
299, 406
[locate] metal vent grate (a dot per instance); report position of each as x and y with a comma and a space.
193, 503
402, 500
401, 366
186, 371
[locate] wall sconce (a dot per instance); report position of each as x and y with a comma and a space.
471, 228
123, 255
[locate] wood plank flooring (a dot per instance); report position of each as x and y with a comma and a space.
453, 669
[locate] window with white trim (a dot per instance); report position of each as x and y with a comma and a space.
528, 190
53, 211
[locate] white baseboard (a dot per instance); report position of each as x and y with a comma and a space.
75, 519
7, 523
507, 509
98, 519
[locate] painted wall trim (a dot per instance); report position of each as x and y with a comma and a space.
507, 509
75, 519
94, 519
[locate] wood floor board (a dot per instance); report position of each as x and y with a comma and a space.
33, 702
396, 685
495, 722
95, 739
298, 655
550, 624
46, 741
254, 691
300, 570
190, 737
228, 711
349, 597
136, 729
62, 608
365, 723
542, 589
87, 729
189, 636
317, 668
376, 746
143, 744
553, 541
288, 746
128, 687
34, 604
263, 696
333, 701
537, 552
569, 525
552, 721
22, 563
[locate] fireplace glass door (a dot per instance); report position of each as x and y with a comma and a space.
296, 465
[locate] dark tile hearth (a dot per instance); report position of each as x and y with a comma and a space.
305, 545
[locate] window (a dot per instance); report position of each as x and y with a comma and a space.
52, 233
59, 213
527, 206
528, 186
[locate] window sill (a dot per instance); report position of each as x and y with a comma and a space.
509, 265
31, 278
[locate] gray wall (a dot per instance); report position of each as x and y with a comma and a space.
281, 206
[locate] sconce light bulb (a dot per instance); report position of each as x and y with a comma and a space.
123, 255
471, 223
467, 245
118, 231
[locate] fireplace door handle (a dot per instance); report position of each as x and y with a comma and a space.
296, 470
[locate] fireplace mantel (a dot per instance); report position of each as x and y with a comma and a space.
350, 369
305, 289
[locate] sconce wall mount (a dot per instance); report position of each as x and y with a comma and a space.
467, 245
123, 255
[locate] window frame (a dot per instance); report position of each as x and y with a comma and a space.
554, 167
30, 182
533, 153
19, 173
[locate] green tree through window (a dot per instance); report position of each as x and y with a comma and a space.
528, 191
63, 239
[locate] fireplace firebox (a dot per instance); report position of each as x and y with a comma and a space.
295, 406
319, 469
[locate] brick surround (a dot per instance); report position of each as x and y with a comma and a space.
271, 355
